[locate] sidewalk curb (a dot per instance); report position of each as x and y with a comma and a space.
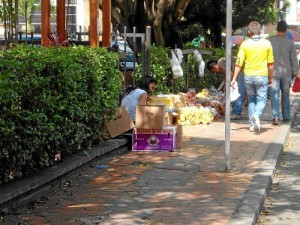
247, 211
20, 193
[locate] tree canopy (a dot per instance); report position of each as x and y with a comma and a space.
168, 17
211, 14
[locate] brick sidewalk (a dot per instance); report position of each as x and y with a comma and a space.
188, 186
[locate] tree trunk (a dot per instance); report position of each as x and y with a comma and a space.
161, 15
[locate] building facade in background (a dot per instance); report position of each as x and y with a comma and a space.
292, 14
77, 15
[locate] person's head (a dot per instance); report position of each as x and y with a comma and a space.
254, 28
212, 66
282, 26
147, 83
191, 93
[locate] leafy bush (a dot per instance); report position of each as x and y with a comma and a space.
161, 69
53, 100
209, 79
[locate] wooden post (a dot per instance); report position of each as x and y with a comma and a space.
61, 20
45, 22
94, 33
106, 21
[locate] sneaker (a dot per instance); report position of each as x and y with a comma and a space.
286, 120
251, 129
275, 121
235, 116
256, 123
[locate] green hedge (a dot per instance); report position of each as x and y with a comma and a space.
53, 100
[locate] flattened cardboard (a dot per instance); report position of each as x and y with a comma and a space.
150, 117
121, 124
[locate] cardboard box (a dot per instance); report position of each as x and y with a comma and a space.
150, 117
179, 136
168, 118
171, 118
154, 139
121, 124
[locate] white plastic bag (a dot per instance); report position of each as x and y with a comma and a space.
176, 67
199, 59
201, 68
179, 54
197, 56
234, 93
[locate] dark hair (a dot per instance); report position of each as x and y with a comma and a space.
211, 64
282, 26
143, 84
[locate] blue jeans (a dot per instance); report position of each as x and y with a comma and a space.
257, 91
237, 105
282, 84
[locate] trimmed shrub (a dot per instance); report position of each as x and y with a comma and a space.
53, 100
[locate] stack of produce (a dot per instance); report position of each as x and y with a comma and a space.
204, 94
212, 98
195, 115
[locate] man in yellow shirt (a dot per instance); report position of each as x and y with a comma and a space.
256, 55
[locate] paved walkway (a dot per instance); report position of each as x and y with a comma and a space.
187, 186
282, 204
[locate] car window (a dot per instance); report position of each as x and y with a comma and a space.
121, 45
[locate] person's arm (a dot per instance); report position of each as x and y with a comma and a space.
270, 71
294, 61
221, 87
238, 65
143, 99
270, 58
236, 73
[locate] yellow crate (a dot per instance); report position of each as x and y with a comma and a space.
167, 100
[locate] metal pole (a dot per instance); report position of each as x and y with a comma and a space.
125, 41
143, 54
134, 53
228, 80
148, 48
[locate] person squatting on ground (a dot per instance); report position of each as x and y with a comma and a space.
138, 95
190, 97
219, 67
256, 55
285, 66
